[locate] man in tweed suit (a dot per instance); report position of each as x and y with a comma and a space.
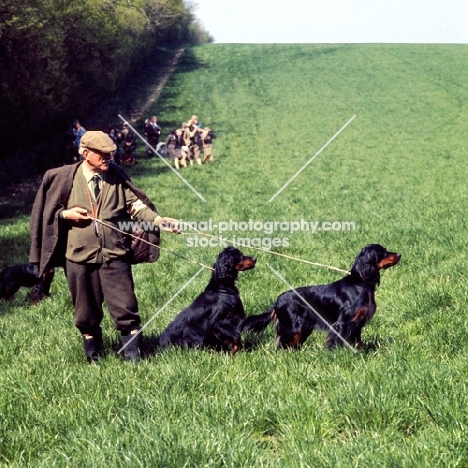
96, 258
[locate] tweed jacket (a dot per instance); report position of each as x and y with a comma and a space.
49, 233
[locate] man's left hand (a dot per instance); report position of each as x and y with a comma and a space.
169, 224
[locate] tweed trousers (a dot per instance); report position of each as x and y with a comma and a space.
91, 284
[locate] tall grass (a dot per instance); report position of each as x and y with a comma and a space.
397, 172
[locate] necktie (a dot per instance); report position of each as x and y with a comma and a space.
97, 189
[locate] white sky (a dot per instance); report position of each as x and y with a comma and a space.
335, 21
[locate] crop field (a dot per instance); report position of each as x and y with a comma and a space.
395, 175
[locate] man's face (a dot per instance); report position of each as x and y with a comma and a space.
97, 161
154, 119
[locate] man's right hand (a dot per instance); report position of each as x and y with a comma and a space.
75, 214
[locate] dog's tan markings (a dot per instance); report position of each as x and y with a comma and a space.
360, 314
273, 316
235, 348
296, 340
247, 264
388, 261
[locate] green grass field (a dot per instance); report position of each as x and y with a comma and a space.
398, 172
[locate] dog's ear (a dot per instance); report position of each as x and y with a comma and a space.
225, 264
365, 265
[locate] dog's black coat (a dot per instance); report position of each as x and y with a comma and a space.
347, 305
25, 275
211, 320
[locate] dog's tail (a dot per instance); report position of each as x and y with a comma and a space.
257, 323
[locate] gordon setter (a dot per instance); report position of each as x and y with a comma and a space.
211, 320
25, 275
345, 305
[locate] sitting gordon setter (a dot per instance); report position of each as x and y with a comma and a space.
211, 320
345, 305
14, 277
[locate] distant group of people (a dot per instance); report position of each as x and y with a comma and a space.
186, 145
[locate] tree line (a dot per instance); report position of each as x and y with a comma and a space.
59, 58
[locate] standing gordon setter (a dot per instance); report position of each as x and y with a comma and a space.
14, 277
345, 305
211, 320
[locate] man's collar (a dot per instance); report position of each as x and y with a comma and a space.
88, 173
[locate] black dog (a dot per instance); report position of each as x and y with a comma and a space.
211, 320
14, 277
345, 305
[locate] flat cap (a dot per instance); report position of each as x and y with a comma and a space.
98, 141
